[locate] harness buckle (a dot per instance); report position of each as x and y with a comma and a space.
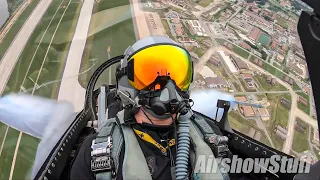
101, 156
218, 144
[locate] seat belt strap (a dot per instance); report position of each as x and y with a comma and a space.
106, 150
134, 163
202, 148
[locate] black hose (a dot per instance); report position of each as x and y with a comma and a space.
92, 82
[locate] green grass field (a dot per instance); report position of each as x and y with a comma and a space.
242, 125
11, 34
167, 28
204, 3
118, 36
300, 140
39, 52
220, 41
282, 22
262, 79
277, 65
238, 123
7, 153
3, 128
264, 39
199, 51
240, 52
36, 51
273, 70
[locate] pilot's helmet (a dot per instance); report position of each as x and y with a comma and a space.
157, 56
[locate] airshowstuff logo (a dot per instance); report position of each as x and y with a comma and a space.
274, 164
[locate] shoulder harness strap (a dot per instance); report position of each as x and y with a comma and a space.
106, 149
134, 163
202, 135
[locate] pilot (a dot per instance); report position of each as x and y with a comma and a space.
142, 141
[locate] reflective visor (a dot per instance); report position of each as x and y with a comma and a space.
147, 64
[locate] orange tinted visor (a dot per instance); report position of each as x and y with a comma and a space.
160, 60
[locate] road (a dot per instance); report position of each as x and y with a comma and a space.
70, 89
13, 19
11, 57
139, 21
203, 60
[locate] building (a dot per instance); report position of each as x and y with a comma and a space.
216, 82
269, 78
251, 132
172, 14
303, 101
241, 98
306, 89
286, 103
280, 134
239, 64
250, 85
247, 111
300, 124
258, 62
193, 55
288, 80
228, 62
207, 43
215, 61
196, 28
185, 41
281, 129
273, 81
315, 139
308, 157
257, 136
246, 77
245, 46
299, 128
264, 114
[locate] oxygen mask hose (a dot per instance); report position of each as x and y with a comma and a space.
183, 145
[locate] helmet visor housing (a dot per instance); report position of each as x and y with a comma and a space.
160, 60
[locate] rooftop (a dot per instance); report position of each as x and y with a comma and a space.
248, 111
241, 98
263, 112
228, 61
215, 81
246, 76
239, 63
